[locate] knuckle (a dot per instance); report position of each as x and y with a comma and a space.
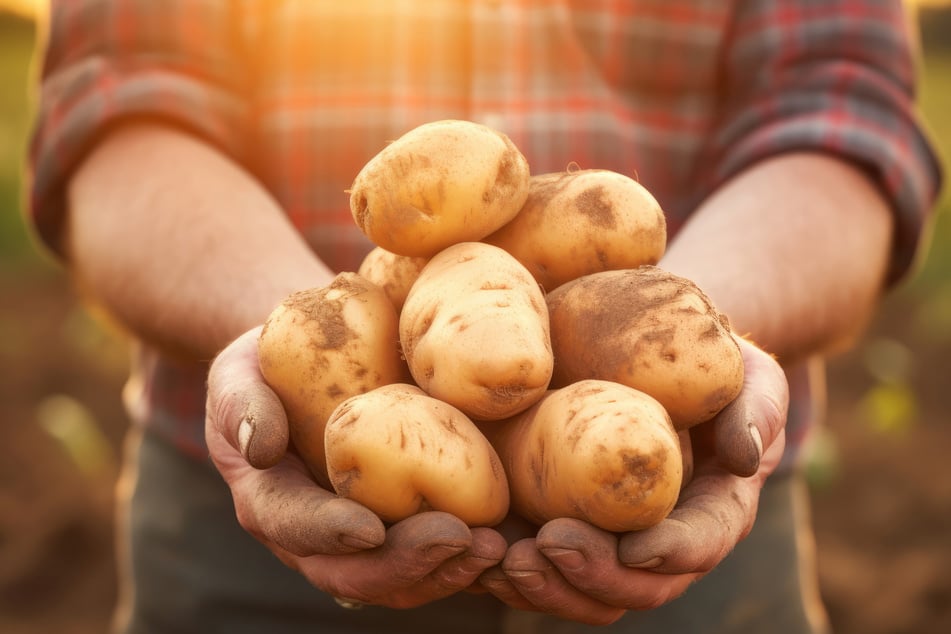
449, 581
247, 519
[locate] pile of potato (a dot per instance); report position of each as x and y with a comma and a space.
508, 346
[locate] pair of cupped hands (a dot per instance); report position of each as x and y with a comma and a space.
566, 567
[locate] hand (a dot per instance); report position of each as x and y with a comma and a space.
579, 572
339, 545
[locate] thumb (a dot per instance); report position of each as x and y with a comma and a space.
748, 426
240, 406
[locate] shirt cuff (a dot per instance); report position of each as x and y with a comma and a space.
887, 142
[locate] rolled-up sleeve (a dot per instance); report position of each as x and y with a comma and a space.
103, 61
834, 76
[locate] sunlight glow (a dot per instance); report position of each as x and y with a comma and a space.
33, 8
28, 8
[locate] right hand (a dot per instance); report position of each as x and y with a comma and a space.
579, 572
339, 545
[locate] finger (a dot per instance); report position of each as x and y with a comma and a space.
587, 558
753, 421
462, 571
495, 582
542, 585
242, 408
405, 571
513, 528
715, 511
452, 575
284, 506
418, 544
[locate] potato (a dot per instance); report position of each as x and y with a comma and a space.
585, 221
686, 450
441, 183
474, 331
650, 330
398, 452
323, 345
593, 450
393, 273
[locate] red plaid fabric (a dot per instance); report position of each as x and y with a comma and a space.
681, 94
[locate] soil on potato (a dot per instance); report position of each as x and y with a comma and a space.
882, 515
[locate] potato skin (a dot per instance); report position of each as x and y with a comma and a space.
323, 345
651, 330
474, 331
393, 273
593, 450
440, 183
399, 451
584, 221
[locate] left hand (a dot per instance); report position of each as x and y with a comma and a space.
338, 545
579, 572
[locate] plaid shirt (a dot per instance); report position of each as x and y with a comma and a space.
682, 94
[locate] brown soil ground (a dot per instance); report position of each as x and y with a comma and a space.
883, 513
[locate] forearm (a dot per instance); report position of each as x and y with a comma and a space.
177, 243
793, 250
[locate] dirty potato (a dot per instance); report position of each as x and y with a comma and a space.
323, 345
474, 331
593, 450
579, 222
393, 273
651, 330
441, 183
398, 452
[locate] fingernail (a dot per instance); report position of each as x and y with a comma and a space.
565, 558
650, 563
757, 440
528, 579
482, 562
244, 436
494, 580
475, 565
356, 542
443, 551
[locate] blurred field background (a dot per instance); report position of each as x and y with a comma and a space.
880, 478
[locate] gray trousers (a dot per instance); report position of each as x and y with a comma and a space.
187, 566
